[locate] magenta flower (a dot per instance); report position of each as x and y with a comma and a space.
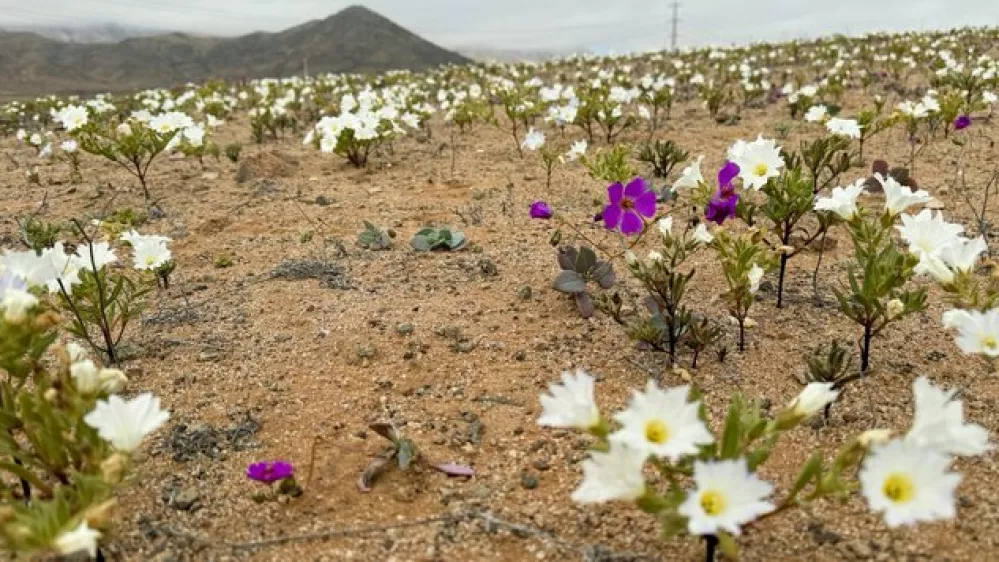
723, 205
728, 173
962, 122
270, 471
628, 204
541, 210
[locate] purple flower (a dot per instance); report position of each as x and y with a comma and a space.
269, 471
541, 210
722, 205
628, 204
962, 122
728, 173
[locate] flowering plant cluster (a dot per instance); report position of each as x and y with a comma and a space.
708, 484
100, 299
69, 439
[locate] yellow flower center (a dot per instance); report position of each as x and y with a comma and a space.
712, 502
656, 432
899, 488
989, 342
761, 169
150, 260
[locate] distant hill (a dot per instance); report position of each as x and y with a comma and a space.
93, 33
353, 40
490, 54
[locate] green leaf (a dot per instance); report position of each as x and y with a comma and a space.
569, 282
812, 469
732, 434
728, 545
406, 453
586, 260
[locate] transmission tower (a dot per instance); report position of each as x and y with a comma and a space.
674, 22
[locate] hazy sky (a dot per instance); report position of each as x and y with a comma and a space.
602, 25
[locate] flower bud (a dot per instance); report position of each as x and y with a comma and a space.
749, 323
97, 517
113, 468
894, 309
112, 381
86, 377
873, 437
813, 398
16, 303
630, 258
47, 320
51, 395
76, 352
124, 129
653, 258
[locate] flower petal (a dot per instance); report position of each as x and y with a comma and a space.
612, 216
615, 192
645, 204
631, 223
636, 188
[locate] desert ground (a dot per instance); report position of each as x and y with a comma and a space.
307, 338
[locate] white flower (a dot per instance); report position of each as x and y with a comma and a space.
570, 404
754, 275
533, 140
69, 147
977, 332
939, 422
614, 475
928, 232
72, 117
80, 539
16, 303
898, 197
124, 424
816, 114
666, 226
412, 120
102, 255
813, 398
86, 377
662, 423
726, 496
63, 269
702, 234
963, 254
844, 127
933, 266
842, 201
758, 161
908, 483
577, 150
691, 175
149, 252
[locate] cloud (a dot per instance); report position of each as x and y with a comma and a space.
620, 26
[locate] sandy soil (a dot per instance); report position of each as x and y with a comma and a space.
448, 345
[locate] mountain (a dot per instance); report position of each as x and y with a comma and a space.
353, 40
93, 33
